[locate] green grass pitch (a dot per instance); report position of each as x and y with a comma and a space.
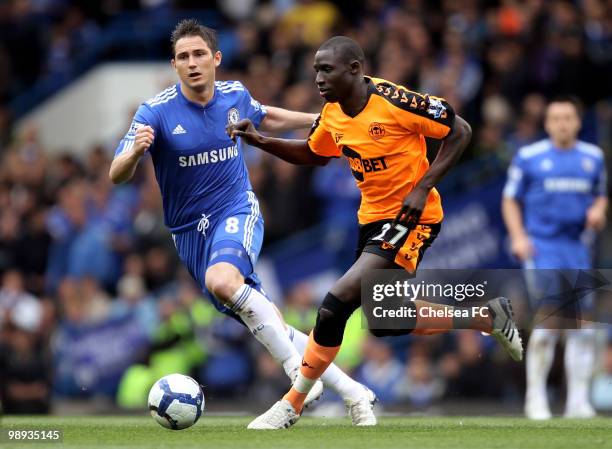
220, 432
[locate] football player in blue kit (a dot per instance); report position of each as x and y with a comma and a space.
556, 195
208, 202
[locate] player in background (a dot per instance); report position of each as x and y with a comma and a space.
555, 194
208, 202
381, 128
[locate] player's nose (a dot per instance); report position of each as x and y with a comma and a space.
319, 79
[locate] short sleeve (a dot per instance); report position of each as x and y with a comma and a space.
516, 182
422, 114
255, 111
143, 117
321, 141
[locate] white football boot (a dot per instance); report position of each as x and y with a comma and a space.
536, 408
280, 416
504, 328
361, 411
581, 411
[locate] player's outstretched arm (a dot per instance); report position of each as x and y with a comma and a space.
452, 147
293, 151
279, 119
124, 165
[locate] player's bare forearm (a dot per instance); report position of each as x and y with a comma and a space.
513, 217
596, 214
123, 167
295, 152
279, 119
520, 243
448, 155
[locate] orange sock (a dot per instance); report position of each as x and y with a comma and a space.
314, 363
317, 358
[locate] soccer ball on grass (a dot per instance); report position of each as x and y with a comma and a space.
176, 401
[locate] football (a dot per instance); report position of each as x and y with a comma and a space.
176, 401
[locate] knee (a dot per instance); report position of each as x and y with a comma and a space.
325, 315
223, 280
328, 319
333, 310
331, 320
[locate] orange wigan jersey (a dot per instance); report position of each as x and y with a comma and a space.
385, 146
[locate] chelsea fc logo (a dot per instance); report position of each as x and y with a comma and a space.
588, 165
546, 165
233, 116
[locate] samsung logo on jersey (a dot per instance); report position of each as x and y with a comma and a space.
578, 185
209, 157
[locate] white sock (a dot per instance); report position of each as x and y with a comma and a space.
540, 354
579, 361
260, 316
333, 377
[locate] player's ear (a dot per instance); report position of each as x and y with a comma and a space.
173, 63
355, 67
217, 58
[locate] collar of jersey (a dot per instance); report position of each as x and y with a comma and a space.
556, 149
186, 101
371, 90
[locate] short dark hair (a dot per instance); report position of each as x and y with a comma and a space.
345, 48
573, 100
191, 27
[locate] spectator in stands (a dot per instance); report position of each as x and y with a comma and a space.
25, 365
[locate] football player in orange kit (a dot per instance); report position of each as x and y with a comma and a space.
380, 128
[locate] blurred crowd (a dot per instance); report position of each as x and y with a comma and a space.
93, 301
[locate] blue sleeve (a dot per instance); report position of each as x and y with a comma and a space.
255, 111
144, 116
516, 183
601, 184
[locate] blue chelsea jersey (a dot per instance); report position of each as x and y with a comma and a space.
200, 170
556, 187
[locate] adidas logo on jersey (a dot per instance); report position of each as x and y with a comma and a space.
179, 130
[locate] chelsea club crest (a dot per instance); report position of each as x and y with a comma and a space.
588, 165
233, 116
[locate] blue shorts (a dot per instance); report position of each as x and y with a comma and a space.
560, 254
234, 237
553, 273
